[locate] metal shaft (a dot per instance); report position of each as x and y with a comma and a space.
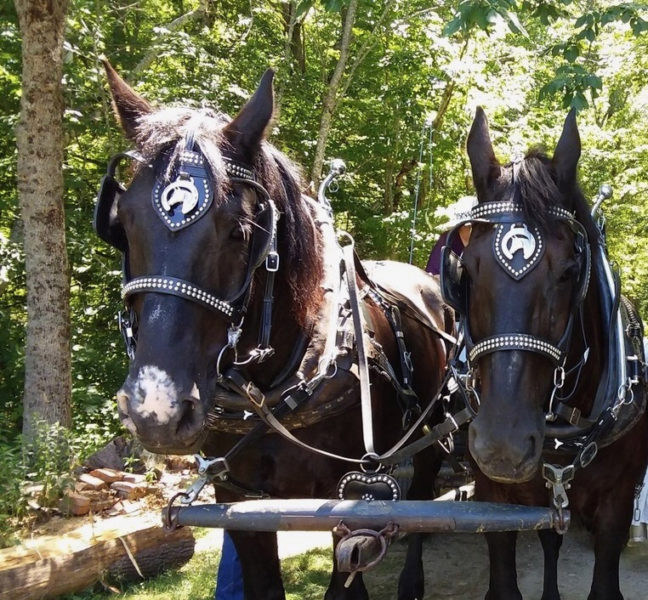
323, 515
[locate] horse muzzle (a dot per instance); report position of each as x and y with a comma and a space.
164, 418
505, 457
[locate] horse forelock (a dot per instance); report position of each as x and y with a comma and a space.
165, 131
538, 191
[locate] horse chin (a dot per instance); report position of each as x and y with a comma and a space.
177, 444
166, 448
509, 474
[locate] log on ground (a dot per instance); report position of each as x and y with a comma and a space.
52, 565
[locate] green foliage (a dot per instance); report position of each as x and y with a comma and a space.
13, 504
524, 61
49, 459
36, 474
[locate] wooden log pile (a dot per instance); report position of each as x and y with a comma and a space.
101, 489
116, 535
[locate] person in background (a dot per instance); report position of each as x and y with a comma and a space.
229, 580
457, 212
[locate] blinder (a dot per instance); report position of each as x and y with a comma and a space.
453, 279
105, 222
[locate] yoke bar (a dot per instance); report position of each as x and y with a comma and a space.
323, 515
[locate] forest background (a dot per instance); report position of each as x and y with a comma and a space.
390, 86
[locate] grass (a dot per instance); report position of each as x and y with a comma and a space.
305, 578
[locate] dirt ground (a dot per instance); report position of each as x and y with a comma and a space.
456, 567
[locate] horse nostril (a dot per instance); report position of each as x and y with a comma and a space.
533, 447
122, 401
188, 413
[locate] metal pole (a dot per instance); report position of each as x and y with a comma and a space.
323, 515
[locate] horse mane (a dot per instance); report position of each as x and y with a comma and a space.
538, 191
299, 242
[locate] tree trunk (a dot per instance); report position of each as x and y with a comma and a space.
330, 99
39, 137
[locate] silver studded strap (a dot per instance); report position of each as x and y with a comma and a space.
515, 341
488, 209
180, 288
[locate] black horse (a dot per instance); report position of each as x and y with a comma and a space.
555, 359
239, 322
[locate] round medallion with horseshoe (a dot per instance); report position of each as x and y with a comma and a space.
187, 196
180, 191
517, 248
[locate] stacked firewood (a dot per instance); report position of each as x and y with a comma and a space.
106, 489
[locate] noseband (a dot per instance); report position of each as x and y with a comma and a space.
179, 202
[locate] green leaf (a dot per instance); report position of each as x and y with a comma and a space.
303, 7
594, 82
638, 26
453, 26
514, 23
579, 102
571, 53
333, 5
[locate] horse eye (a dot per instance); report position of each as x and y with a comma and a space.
569, 274
237, 233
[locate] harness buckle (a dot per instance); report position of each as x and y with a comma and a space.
126, 328
407, 359
272, 261
587, 454
557, 480
254, 394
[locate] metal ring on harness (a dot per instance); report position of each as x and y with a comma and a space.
370, 457
170, 522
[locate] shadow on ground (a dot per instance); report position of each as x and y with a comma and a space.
456, 567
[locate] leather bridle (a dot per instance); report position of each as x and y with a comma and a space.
193, 173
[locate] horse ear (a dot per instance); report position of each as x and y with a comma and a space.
568, 150
485, 166
247, 129
129, 106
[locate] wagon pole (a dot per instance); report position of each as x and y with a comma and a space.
413, 516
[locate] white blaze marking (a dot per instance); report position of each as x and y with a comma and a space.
156, 394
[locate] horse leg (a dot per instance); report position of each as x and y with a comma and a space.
607, 552
503, 574
551, 543
259, 558
411, 584
336, 589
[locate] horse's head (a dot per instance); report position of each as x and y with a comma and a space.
197, 225
526, 271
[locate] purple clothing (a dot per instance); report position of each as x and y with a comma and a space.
434, 262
